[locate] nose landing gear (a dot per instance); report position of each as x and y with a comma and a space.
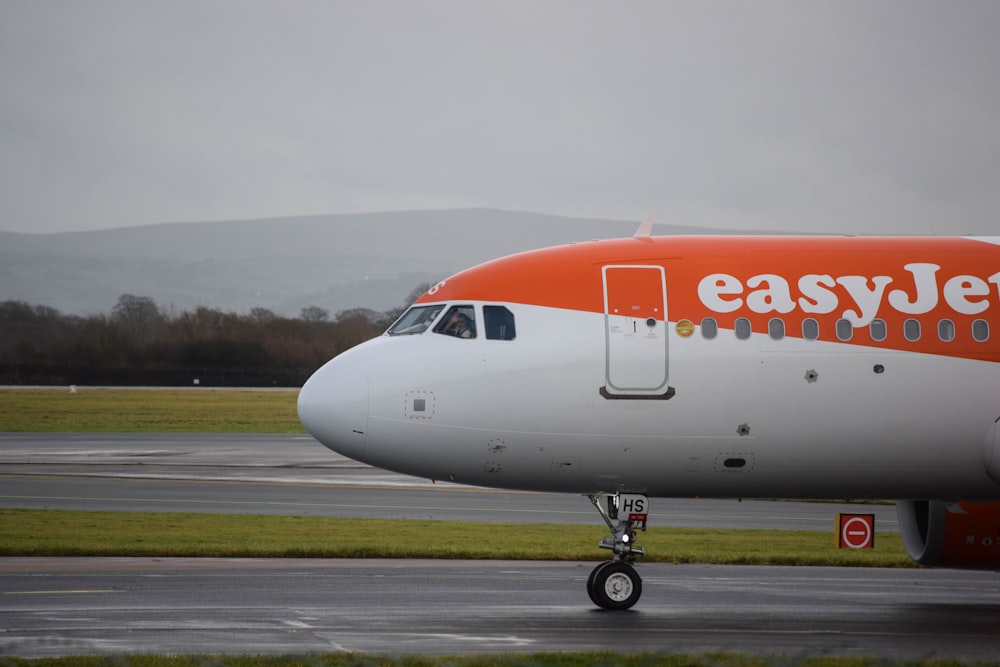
615, 584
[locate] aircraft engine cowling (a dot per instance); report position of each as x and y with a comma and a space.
962, 534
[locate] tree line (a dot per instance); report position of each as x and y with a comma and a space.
141, 344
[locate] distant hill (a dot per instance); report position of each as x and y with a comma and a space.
335, 262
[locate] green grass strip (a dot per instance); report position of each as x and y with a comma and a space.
70, 533
149, 410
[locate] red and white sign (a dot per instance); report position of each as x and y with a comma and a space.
635, 506
856, 531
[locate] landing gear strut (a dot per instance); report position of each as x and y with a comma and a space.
615, 584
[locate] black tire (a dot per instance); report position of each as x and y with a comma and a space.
590, 581
615, 586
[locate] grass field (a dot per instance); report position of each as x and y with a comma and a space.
149, 410
69, 533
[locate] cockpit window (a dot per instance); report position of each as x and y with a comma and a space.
499, 323
459, 321
416, 320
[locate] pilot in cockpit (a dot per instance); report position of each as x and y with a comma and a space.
460, 325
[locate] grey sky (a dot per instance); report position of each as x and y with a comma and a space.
840, 116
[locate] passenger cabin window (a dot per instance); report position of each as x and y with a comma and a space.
946, 330
499, 323
776, 328
878, 330
981, 331
709, 328
459, 321
743, 328
810, 329
845, 330
416, 320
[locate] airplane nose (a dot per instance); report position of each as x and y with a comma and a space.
333, 406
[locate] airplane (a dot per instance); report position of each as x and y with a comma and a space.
821, 367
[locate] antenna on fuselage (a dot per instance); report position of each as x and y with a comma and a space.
645, 227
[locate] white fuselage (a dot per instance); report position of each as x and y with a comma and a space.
746, 418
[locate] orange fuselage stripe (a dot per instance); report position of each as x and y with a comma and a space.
760, 278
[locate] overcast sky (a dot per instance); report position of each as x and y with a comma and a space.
841, 116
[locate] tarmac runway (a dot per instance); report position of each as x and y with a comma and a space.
65, 606
62, 606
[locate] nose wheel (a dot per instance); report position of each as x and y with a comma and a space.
615, 584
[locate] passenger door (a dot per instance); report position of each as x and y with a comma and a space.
635, 315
